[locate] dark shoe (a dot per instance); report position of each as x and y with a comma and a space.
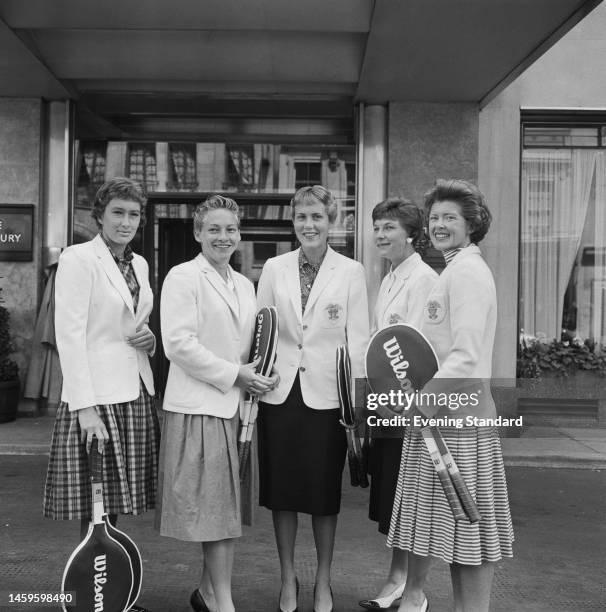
384, 603
197, 602
297, 587
137, 608
331, 596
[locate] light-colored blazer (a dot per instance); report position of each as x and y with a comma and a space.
459, 320
336, 313
207, 331
93, 315
405, 301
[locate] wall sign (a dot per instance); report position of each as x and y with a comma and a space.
16, 232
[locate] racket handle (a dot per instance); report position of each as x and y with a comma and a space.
244, 460
360, 463
353, 470
467, 501
241, 445
443, 475
362, 475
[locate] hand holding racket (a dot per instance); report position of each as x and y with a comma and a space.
399, 357
263, 350
100, 570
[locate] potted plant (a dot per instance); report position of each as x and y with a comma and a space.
568, 356
9, 372
566, 368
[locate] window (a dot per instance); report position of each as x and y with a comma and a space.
142, 164
307, 173
182, 165
563, 233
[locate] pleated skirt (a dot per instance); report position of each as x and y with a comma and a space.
301, 456
422, 521
199, 495
130, 461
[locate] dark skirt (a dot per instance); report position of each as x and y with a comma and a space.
130, 461
301, 456
384, 467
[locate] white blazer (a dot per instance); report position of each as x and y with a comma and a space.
336, 313
403, 301
207, 331
459, 320
93, 315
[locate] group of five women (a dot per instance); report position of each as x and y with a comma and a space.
103, 302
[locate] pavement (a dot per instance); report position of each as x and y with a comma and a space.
557, 488
528, 446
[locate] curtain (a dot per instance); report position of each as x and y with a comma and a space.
598, 325
556, 189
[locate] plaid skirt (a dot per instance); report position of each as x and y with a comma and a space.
130, 461
422, 522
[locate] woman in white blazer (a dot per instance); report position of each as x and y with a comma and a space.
399, 233
207, 313
459, 320
102, 305
321, 301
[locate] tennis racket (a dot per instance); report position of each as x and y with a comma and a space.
264, 345
357, 467
399, 357
467, 501
99, 570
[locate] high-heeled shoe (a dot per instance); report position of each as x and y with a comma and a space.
331, 597
197, 602
297, 602
384, 603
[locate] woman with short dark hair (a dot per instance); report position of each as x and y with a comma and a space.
102, 305
399, 233
459, 321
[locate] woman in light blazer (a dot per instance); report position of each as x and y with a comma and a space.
399, 232
102, 305
321, 301
459, 320
207, 315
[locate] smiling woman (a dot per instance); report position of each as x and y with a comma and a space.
218, 231
207, 316
321, 301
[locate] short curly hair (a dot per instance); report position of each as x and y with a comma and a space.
214, 202
470, 200
315, 193
118, 188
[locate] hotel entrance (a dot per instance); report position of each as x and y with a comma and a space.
261, 178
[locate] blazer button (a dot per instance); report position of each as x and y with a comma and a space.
302, 368
299, 346
305, 327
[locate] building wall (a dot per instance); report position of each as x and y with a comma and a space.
429, 141
569, 75
20, 152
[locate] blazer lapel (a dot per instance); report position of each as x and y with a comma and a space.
293, 283
402, 278
243, 303
113, 273
219, 286
145, 294
325, 275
